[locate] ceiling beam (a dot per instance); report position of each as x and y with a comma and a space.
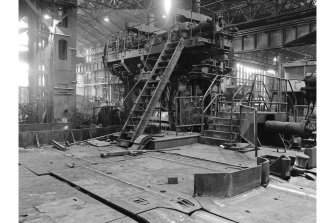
97, 20
85, 30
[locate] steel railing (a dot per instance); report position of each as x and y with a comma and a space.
254, 140
195, 105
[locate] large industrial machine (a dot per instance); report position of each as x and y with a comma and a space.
155, 64
187, 72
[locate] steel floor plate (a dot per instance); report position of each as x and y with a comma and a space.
46, 199
92, 153
276, 203
42, 161
24, 172
153, 170
217, 154
138, 185
132, 197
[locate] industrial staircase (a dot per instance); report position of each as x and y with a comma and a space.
222, 128
223, 125
151, 92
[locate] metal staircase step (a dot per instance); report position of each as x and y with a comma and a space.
165, 62
175, 43
220, 127
226, 115
169, 51
152, 58
146, 96
157, 86
148, 88
223, 121
220, 134
136, 117
153, 82
167, 56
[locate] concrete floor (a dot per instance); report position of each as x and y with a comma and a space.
135, 189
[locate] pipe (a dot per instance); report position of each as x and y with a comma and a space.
302, 129
196, 6
151, 19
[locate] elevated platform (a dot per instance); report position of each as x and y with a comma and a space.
169, 139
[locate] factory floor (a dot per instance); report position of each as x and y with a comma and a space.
77, 185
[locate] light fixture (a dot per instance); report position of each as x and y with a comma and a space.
23, 48
167, 6
23, 24
46, 16
24, 39
106, 19
164, 16
271, 71
275, 59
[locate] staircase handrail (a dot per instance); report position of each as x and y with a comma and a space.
295, 98
139, 79
238, 91
205, 109
255, 127
234, 108
203, 100
211, 85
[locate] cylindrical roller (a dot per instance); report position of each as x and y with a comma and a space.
292, 128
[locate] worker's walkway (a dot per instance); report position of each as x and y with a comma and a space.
79, 185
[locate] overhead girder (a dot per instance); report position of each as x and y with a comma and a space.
238, 12
273, 36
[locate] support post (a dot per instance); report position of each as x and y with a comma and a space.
255, 133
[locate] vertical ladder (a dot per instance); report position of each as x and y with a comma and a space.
150, 94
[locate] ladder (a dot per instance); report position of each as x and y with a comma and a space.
150, 94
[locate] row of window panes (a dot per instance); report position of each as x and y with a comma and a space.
244, 74
89, 67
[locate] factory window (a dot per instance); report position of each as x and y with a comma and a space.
62, 49
63, 23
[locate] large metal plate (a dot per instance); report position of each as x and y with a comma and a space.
154, 170
42, 161
127, 194
227, 184
92, 154
281, 203
167, 216
24, 172
46, 199
217, 154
